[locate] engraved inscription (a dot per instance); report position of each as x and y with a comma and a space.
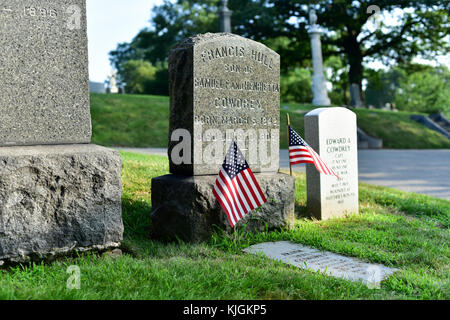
339, 148
254, 108
222, 52
74, 19
239, 52
32, 11
226, 84
236, 86
236, 68
234, 120
327, 262
237, 103
262, 58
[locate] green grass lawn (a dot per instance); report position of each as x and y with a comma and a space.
143, 121
130, 120
402, 230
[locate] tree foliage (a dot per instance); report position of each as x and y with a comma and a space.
136, 74
421, 29
425, 91
411, 87
296, 86
404, 30
141, 77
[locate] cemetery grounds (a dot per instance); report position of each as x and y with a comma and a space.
402, 230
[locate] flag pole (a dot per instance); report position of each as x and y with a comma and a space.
288, 122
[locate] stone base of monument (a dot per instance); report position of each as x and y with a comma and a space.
58, 199
367, 142
184, 207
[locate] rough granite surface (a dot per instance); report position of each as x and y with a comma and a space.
57, 199
224, 87
44, 95
185, 207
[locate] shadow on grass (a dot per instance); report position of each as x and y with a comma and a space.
136, 218
301, 212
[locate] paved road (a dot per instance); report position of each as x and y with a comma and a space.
421, 171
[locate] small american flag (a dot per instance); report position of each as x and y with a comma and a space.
301, 152
236, 187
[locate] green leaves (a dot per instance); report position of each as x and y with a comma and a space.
412, 87
136, 74
406, 29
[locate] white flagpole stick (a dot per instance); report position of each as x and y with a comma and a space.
288, 121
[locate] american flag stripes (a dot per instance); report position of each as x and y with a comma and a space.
301, 152
236, 187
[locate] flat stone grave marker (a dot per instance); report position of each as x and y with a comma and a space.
44, 96
332, 133
224, 87
333, 264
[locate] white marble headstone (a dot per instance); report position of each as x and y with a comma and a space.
332, 264
332, 133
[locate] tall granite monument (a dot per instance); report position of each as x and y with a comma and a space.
332, 132
319, 82
225, 17
58, 193
222, 88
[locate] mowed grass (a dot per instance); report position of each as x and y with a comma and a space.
143, 121
402, 230
408, 134
130, 120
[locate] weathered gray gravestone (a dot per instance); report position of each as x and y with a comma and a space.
55, 197
222, 87
332, 132
43, 73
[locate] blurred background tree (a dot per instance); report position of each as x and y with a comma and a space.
403, 30
420, 28
382, 85
136, 74
296, 85
337, 74
425, 91
412, 87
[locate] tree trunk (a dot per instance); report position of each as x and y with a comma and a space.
355, 75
